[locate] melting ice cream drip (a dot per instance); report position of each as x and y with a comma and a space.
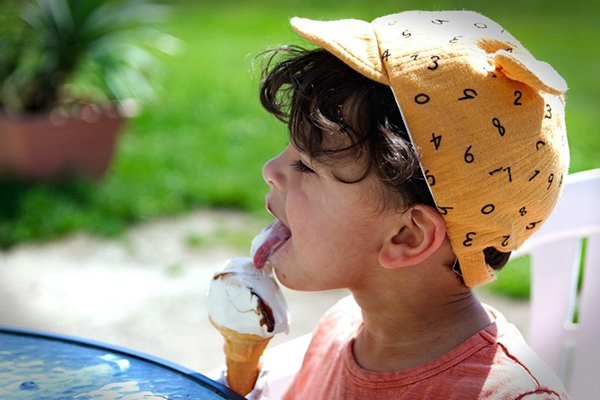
239, 287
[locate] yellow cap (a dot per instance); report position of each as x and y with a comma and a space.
486, 116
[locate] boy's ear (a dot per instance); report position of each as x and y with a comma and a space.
418, 233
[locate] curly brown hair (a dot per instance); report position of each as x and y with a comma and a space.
320, 97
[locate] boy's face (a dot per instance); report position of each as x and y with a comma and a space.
336, 231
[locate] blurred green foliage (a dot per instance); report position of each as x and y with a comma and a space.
56, 52
203, 143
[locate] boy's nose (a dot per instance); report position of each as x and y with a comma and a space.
273, 173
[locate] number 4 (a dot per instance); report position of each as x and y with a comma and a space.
436, 140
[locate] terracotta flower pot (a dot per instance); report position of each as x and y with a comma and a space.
46, 146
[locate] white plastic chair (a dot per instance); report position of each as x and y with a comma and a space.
571, 350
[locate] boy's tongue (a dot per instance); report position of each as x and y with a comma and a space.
267, 242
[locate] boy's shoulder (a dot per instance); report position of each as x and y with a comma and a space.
509, 343
498, 353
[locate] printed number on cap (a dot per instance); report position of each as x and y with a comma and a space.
430, 178
469, 94
444, 210
436, 140
518, 95
469, 240
501, 129
469, 158
534, 175
488, 209
435, 63
422, 98
533, 225
507, 169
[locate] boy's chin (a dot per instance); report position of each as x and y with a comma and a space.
283, 277
294, 284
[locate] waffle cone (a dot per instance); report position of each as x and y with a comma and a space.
242, 357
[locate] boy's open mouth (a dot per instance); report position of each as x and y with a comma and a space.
268, 242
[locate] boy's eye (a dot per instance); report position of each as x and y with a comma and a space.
301, 167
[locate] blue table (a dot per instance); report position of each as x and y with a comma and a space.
43, 366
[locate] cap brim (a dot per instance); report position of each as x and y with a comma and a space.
352, 41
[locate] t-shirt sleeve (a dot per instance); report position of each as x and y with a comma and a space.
541, 395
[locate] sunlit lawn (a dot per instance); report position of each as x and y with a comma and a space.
204, 142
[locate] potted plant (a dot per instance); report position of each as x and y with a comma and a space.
68, 70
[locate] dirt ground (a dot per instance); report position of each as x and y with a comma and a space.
147, 292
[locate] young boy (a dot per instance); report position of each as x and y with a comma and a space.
425, 147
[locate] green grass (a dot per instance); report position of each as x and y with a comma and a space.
514, 279
204, 142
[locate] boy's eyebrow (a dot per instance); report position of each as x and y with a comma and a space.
308, 160
305, 157
311, 162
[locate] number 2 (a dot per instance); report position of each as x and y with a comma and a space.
517, 102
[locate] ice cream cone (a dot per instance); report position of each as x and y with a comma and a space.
242, 356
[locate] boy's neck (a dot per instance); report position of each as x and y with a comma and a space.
404, 331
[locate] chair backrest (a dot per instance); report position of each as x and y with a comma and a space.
571, 349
